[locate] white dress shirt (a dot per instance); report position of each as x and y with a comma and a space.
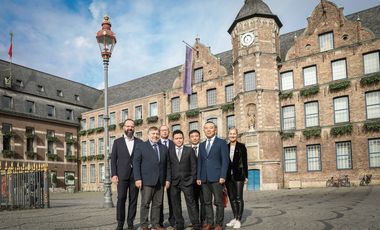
130, 143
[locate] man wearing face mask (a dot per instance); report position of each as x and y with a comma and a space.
122, 174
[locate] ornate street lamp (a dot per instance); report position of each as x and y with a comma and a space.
106, 40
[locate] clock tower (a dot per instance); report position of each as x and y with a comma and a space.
255, 50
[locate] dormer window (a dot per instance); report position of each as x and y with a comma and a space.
19, 83
77, 98
59, 93
326, 41
40, 88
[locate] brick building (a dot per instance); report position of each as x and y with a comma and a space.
306, 103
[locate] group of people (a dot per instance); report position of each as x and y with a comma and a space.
198, 170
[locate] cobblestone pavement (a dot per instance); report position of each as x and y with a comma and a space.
323, 208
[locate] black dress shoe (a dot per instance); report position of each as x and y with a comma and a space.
120, 226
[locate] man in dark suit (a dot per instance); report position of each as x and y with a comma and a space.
151, 168
164, 140
212, 171
183, 164
195, 136
122, 174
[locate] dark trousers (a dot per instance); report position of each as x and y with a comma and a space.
171, 218
199, 203
122, 189
235, 194
151, 195
209, 190
175, 193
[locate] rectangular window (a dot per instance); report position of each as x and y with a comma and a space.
373, 104
40, 88
59, 93
92, 147
50, 144
84, 174
213, 120
77, 98
310, 75
290, 159
138, 112
83, 148
69, 178
371, 62
83, 124
50, 110
249, 81
230, 122
311, 114
193, 125
339, 69
69, 136
29, 106
326, 41
175, 105
193, 101
313, 153
92, 122
288, 118
29, 141
374, 152
198, 75
286, 80
92, 173
341, 110
211, 97
112, 139
102, 173
7, 102
100, 146
138, 134
124, 115
176, 127
100, 120
229, 93
153, 109
343, 155
112, 118
69, 114
6, 128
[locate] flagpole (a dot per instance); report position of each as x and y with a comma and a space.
189, 45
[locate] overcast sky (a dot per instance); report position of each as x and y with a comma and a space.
58, 37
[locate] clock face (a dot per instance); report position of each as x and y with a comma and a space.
247, 39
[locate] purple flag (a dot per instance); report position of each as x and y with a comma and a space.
188, 71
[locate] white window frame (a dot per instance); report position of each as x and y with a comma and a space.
313, 153
343, 155
138, 112
175, 104
374, 153
211, 97
198, 75
339, 69
153, 109
287, 80
326, 41
249, 81
290, 159
311, 116
229, 91
371, 62
372, 107
193, 101
343, 112
291, 118
310, 75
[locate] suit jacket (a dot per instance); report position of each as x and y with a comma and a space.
146, 166
238, 167
171, 144
184, 172
121, 159
214, 166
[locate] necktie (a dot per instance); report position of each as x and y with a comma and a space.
165, 144
195, 150
156, 150
179, 153
208, 147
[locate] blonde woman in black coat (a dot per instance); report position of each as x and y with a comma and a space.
237, 175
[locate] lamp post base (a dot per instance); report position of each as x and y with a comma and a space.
107, 195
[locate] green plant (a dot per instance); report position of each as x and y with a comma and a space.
286, 95
69, 141
100, 157
228, 107
174, 116
83, 158
341, 130
8, 153
9, 134
309, 91
152, 119
30, 154
373, 126
139, 122
286, 135
112, 127
82, 132
52, 156
341, 85
52, 138
91, 157
192, 113
70, 177
30, 135
71, 158
90, 131
370, 79
121, 124
312, 132
99, 129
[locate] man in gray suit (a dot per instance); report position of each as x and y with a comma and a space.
151, 168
